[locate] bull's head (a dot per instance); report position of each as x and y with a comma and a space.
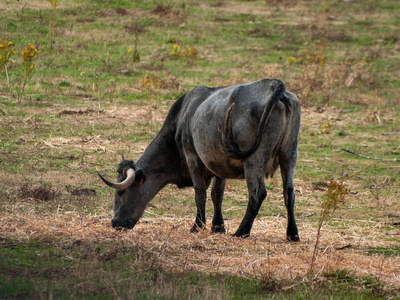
129, 200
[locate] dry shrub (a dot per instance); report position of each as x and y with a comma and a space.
285, 3
232, 80
172, 83
274, 70
121, 11
321, 77
348, 74
320, 30
81, 192
79, 111
171, 13
335, 196
156, 84
39, 193
269, 284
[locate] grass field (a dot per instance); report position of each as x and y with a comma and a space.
104, 87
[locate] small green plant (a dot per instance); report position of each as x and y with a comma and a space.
335, 196
6, 51
54, 4
313, 63
28, 54
136, 28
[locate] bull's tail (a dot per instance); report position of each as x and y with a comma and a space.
231, 147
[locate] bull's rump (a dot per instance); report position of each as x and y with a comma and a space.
249, 102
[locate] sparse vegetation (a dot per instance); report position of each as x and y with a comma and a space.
6, 52
335, 197
28, 67
86, 103
137, 29
54, 4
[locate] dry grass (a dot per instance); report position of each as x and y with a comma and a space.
179, 251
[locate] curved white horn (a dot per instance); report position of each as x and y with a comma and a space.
130, 178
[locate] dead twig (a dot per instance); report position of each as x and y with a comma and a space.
369, 157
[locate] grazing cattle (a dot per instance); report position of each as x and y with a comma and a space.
213, 134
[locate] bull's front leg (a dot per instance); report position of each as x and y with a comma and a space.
217, 195
257, 194
200, 197
201, 182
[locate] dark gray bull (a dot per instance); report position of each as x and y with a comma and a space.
242, 131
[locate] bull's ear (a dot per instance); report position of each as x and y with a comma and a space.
139, 176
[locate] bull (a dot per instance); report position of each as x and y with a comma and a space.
243, 131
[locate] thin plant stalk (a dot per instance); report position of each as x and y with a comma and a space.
6, 51
28, 67
21, 88
335, 197
8, 78
54, 4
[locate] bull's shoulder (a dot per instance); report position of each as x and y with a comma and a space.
201, 93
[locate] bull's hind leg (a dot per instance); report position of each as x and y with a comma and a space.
288, 165
217, 194
254, 174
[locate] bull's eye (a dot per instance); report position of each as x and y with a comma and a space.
120, 193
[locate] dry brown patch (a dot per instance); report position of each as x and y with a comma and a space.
178, 250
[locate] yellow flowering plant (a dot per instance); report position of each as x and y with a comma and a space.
136, 28
153, 85
326, 129
291, 60
135, 56
6, 51
28, 55
179, 50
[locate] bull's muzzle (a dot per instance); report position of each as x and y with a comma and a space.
128, 224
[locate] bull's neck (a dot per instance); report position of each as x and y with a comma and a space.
161, 159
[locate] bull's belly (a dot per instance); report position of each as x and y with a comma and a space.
209, 149
228, 168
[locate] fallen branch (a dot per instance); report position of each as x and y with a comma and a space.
368, 157
344, 247
391, 133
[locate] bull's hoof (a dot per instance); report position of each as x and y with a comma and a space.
218, 229
196, 228
242, 235
293, 238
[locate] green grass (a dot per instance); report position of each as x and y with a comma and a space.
74, 269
